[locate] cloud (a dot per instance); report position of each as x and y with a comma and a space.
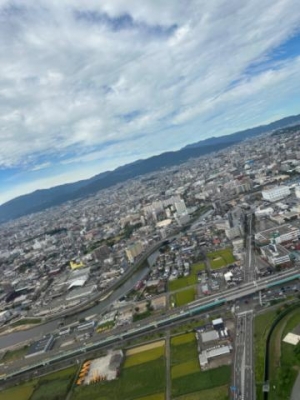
86, 81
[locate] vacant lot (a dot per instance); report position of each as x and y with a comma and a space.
22, 392
181, 339
220, 258
218, 393
135, 382
145, 356
185, 296
202, 380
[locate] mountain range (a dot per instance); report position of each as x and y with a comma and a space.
43, 199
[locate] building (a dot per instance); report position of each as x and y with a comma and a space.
180, 207
41, 346
81, 292
280, 234
232, 233
76, 264
209, 336
276, 193
275, 254
297, 192
133, 251
206, 355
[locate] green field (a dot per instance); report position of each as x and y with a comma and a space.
202, 380
27, 321
134, 382
218, 393
185, 296
144, 356
186, 281
262, 324
184, 352
158, 396
220, 258
189, 326
13, 355
55, 386
181, 339
185, 368
284, 365
181, 283
184, 355
22, 392
197, 268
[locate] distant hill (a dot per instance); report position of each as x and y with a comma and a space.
248, 133
43, 199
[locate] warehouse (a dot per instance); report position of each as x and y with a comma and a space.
41, 346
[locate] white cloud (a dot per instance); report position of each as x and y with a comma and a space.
89, 80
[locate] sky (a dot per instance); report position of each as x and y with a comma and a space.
87, 86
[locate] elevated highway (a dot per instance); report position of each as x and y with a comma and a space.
192, 309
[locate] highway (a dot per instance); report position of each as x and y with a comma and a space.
243, 360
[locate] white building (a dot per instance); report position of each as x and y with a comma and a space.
297, 192
180, 207
275, 194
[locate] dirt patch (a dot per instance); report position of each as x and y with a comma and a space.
145, 347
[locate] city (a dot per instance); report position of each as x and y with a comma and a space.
155, 262
149, 200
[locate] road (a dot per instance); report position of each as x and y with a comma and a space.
243, 360
151, 324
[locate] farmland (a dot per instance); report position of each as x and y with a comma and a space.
135, 382
184, 297
145, 356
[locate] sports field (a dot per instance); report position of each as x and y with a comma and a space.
220, 258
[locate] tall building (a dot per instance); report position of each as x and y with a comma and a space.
133, 251
180, 207
276, 193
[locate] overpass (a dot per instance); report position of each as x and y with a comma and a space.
181, 313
